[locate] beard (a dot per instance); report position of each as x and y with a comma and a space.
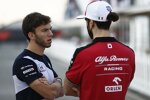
90, 32
41, 42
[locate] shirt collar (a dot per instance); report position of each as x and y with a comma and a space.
104, 39
28, 52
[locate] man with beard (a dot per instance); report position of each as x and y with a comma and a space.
104, 69
33, 75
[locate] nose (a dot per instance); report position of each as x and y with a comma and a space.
50, 33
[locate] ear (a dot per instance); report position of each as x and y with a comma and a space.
31, 35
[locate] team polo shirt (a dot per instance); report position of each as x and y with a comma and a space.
102, 69
28, 67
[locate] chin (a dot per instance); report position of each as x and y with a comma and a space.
47, 46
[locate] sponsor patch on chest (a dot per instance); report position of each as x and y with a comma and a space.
42, 68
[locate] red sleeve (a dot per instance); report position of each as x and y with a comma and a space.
75, 72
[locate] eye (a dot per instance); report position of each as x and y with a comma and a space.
44, 30
50, 28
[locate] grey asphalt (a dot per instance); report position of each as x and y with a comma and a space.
8, 52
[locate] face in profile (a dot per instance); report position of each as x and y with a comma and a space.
43, 35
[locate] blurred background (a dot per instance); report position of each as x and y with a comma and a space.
133, 29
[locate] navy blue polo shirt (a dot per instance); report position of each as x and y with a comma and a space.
28, 67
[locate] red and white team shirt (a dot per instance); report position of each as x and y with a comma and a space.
103, 69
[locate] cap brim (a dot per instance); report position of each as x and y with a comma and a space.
81, 17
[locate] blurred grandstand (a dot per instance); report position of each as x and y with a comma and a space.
13, 32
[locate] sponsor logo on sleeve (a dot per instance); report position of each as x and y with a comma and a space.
28, 70
27, 66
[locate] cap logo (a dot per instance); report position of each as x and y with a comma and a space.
100, 18
108, 8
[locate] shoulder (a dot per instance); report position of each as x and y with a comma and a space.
127, 48
21, 62
82, 49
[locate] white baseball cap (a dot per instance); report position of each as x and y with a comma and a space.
97, 10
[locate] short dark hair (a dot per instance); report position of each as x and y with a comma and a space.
103, 25
32, 21
112, 16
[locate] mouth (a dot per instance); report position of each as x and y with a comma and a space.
49, 40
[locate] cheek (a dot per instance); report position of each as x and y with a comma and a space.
40, 37
43, 36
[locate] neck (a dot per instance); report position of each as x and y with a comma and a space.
34, 47
101, 33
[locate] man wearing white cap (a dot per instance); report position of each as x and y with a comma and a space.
104, 69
